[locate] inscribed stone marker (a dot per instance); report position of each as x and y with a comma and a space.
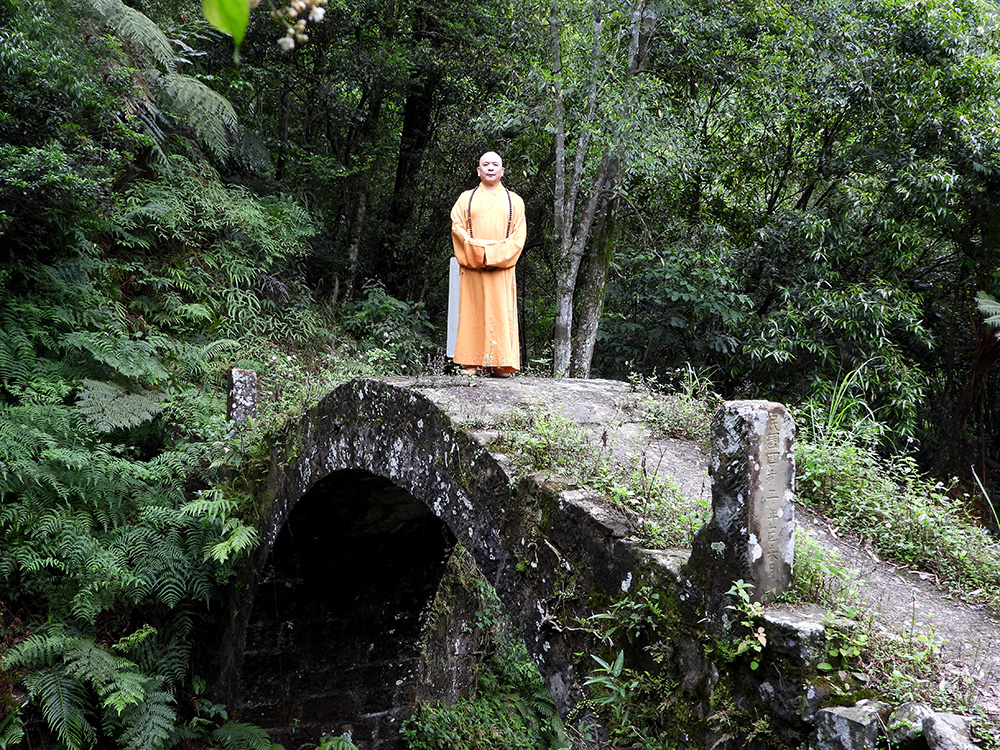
244, 388
771, 511
751, 536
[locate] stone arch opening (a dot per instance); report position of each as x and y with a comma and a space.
335, 635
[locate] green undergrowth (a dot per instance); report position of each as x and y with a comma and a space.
907, 517
132, 278
867, 656
681, 405
537, 440
910, 520
510, 710
631, 687
508, 706
647, 697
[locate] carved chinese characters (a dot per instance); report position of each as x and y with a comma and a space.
770, 520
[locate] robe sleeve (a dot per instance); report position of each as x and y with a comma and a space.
504, 254
470, 256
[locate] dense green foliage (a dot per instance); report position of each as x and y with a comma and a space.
907, 517
132, 278
799, 193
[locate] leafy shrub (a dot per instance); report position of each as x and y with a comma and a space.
680, 405
118, 509
394, 336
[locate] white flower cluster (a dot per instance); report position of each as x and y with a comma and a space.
294, 16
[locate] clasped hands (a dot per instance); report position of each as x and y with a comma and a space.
476, 240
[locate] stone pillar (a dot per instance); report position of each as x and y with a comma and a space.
244, 389
751, 535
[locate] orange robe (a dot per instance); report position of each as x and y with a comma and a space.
487, 308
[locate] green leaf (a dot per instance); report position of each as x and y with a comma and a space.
230, 16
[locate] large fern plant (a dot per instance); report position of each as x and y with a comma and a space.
989, 307
166, 89
91, 526
122, 502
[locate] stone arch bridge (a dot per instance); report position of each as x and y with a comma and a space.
365, 500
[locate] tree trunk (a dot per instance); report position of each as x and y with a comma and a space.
354, 237
286, 108
571, 235
562, 347
419, 109
643, 24
573, 346
591, 295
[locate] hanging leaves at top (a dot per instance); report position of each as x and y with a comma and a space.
229, 16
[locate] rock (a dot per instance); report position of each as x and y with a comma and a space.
244, 390
963, 724
849, 727
798, 631
947, 732
796, 643
906, 726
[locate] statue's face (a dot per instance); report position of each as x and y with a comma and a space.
490, 169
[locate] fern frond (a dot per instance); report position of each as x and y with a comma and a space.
12, 729
17, 354
170, 654
990, 307
171, 590
109, 407
150, 722
42, 648
211, 504
62, 700
209, 113
128, 357
132, 640
137, 28
236, 736
239, 539
205, 357
30, 561
127, 688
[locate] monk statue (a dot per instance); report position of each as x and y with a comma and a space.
488, 233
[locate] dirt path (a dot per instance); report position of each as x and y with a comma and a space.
907, 601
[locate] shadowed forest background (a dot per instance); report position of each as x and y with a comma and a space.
798, 202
